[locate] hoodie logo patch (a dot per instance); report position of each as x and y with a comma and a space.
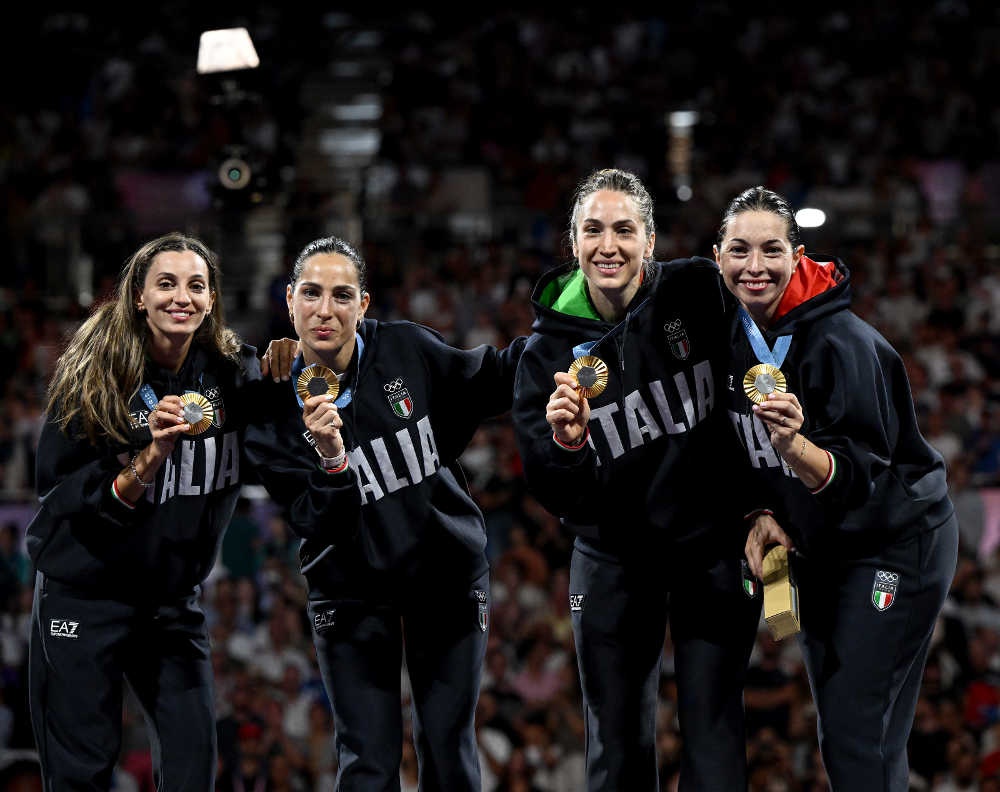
677, 339
214, 395
399, 398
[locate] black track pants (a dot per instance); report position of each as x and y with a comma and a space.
866, 659
82, 651
359, 645
620, 617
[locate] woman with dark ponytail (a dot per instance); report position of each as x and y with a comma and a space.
823, 407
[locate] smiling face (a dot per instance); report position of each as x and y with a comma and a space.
326, 305
176, 295
757, 261
610, 243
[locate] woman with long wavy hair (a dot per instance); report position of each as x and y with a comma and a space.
138, 474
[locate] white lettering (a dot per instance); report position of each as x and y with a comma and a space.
168, 480
666, 414
184, 486
409, 454
704, 388
209, 463
603, 415
428, 446
392, 482
635, 408
680, 381
229, 468
364, 469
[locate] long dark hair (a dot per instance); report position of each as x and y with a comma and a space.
101, 369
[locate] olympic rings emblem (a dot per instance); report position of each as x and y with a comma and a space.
395, 385
887, 577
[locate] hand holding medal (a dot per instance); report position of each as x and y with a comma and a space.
317, 387
568, 409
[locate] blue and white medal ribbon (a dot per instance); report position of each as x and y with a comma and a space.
766, 377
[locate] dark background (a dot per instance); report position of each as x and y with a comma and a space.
447, 147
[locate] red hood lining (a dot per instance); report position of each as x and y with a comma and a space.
811, 278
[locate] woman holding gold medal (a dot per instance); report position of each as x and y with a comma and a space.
401, 552
138, 473
617, 412
823, 407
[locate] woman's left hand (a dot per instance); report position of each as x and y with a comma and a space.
782, 415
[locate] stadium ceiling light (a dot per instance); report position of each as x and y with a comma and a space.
810, 218
683, 118
226, 50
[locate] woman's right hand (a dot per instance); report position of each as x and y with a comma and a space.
323, 421
764, 533
166, 423
567, 411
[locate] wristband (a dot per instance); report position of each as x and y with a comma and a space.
583, 441
332, 464
757, 513
135, 473
340, 469
829, 475
119, 497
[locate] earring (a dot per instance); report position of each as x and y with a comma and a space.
291, 317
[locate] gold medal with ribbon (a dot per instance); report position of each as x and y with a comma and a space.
762, 380
317, 380
198, 412
591, 375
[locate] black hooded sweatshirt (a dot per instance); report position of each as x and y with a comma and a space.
83, 536
886, 481
660, 468
402, 506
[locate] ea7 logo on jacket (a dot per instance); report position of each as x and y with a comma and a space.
60, 628
418, 464
399, 398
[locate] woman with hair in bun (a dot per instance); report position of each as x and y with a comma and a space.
618, 419
823, 407
397, 563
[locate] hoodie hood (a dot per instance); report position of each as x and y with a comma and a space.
563, 306
820, 286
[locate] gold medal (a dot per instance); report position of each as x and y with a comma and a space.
317, 380
198, 412
761, 380
591, 375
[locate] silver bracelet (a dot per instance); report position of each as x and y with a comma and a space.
135, 473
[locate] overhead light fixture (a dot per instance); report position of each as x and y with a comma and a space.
810, 218
226, 50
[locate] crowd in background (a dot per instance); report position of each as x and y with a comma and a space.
900, 149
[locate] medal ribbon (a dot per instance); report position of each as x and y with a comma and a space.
759, 345
346, 395
149, 396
